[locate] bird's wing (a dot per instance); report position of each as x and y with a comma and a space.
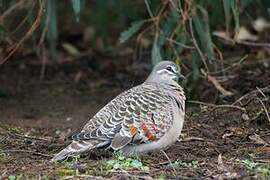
142, 114
91, 136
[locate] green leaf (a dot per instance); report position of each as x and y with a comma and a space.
76, 5
30, 19
121, 158
264, 171
136, 164
51, 23
236, 13
117, 166
12, 177
156, 55
227, 12
2, 29
134, 28
202, 29
249, 164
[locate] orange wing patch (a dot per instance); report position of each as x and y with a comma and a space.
147, 133
133, 130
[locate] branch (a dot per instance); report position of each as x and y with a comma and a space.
218, 106
196, 45
28, 33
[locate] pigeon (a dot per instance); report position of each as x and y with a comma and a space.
146, 118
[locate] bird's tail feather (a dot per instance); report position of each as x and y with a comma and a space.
74, 148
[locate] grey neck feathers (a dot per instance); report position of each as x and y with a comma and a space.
170, 86
173, 89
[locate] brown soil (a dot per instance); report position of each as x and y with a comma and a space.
36, 117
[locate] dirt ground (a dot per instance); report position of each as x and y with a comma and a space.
218, 141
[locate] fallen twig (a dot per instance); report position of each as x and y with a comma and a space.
28, 137
217, 106
231, 66
84, 176
258, 140
248, 43
26, 151
218, 86
267, 89
243, 42
191, 139
260, 91
174, 170
179, 44
3, 173
265, 109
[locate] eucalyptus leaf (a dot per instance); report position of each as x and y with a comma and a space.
227, 12
12, 177
236, 13
76, 5
134, 28
2, 29
156, 54
202, 29
51, 23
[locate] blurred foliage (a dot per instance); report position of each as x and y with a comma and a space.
17, 16
181, 30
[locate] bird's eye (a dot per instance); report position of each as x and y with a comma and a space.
169, 68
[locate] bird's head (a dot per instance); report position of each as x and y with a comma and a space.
165, 71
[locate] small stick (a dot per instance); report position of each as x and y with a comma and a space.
179, 44
260, 91
265, 109
174, 170
243, 42
28, 137
196, 45
191, 139
26, 151
248, 43
218, 106
3, 173
231, 66
267, 88
148, 9
12, 8
218, 86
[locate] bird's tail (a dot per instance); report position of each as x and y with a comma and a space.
74, 148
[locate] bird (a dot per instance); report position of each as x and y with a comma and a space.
146, 118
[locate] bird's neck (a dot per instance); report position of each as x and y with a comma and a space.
170, 86
176, 92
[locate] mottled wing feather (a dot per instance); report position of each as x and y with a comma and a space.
147, 116
143, 111
108, 111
